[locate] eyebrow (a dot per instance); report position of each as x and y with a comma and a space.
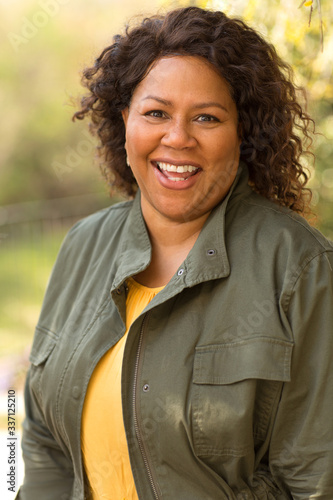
202, 105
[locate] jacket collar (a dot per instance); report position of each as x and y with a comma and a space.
208, 259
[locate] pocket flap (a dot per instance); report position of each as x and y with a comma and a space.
259, 357
42, 346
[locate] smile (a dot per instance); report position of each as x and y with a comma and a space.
165, 168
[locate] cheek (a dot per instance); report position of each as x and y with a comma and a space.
130, 137
221, 145
224, 159
136, 140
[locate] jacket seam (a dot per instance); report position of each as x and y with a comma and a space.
299, 275
46, 330
229, 345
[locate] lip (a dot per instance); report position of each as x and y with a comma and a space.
176, 185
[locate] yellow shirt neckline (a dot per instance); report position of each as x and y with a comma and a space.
153, 290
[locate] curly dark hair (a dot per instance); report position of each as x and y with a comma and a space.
276, 130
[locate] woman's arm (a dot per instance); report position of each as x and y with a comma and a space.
48, 472
301, 452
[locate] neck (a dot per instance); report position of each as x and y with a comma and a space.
167, 233
171, 242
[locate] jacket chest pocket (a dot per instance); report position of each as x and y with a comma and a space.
236, 387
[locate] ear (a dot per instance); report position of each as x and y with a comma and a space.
124, 114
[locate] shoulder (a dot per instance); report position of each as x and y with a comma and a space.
94, 238
96, 231
277, 256
275, 226
95, 224
272, 244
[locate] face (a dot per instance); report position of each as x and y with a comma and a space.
182, 138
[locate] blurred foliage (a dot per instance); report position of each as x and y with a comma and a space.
25, 264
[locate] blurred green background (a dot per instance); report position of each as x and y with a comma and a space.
48, 174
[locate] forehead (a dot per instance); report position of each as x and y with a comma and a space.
183, 75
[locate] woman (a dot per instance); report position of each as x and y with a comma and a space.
185, 342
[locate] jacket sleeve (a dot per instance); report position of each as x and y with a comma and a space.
301, 451
48, 468
48, 471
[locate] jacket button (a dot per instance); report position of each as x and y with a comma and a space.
211, 252
146, 388
180, 272
76, 392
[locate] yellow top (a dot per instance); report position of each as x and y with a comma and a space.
103, 439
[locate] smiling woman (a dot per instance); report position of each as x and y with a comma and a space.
185, 343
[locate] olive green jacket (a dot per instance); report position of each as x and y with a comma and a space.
227, 382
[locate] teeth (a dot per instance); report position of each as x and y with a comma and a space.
173, 168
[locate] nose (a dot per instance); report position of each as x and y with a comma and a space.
178, 135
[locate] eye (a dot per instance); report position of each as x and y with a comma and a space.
207, 118
155, 113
